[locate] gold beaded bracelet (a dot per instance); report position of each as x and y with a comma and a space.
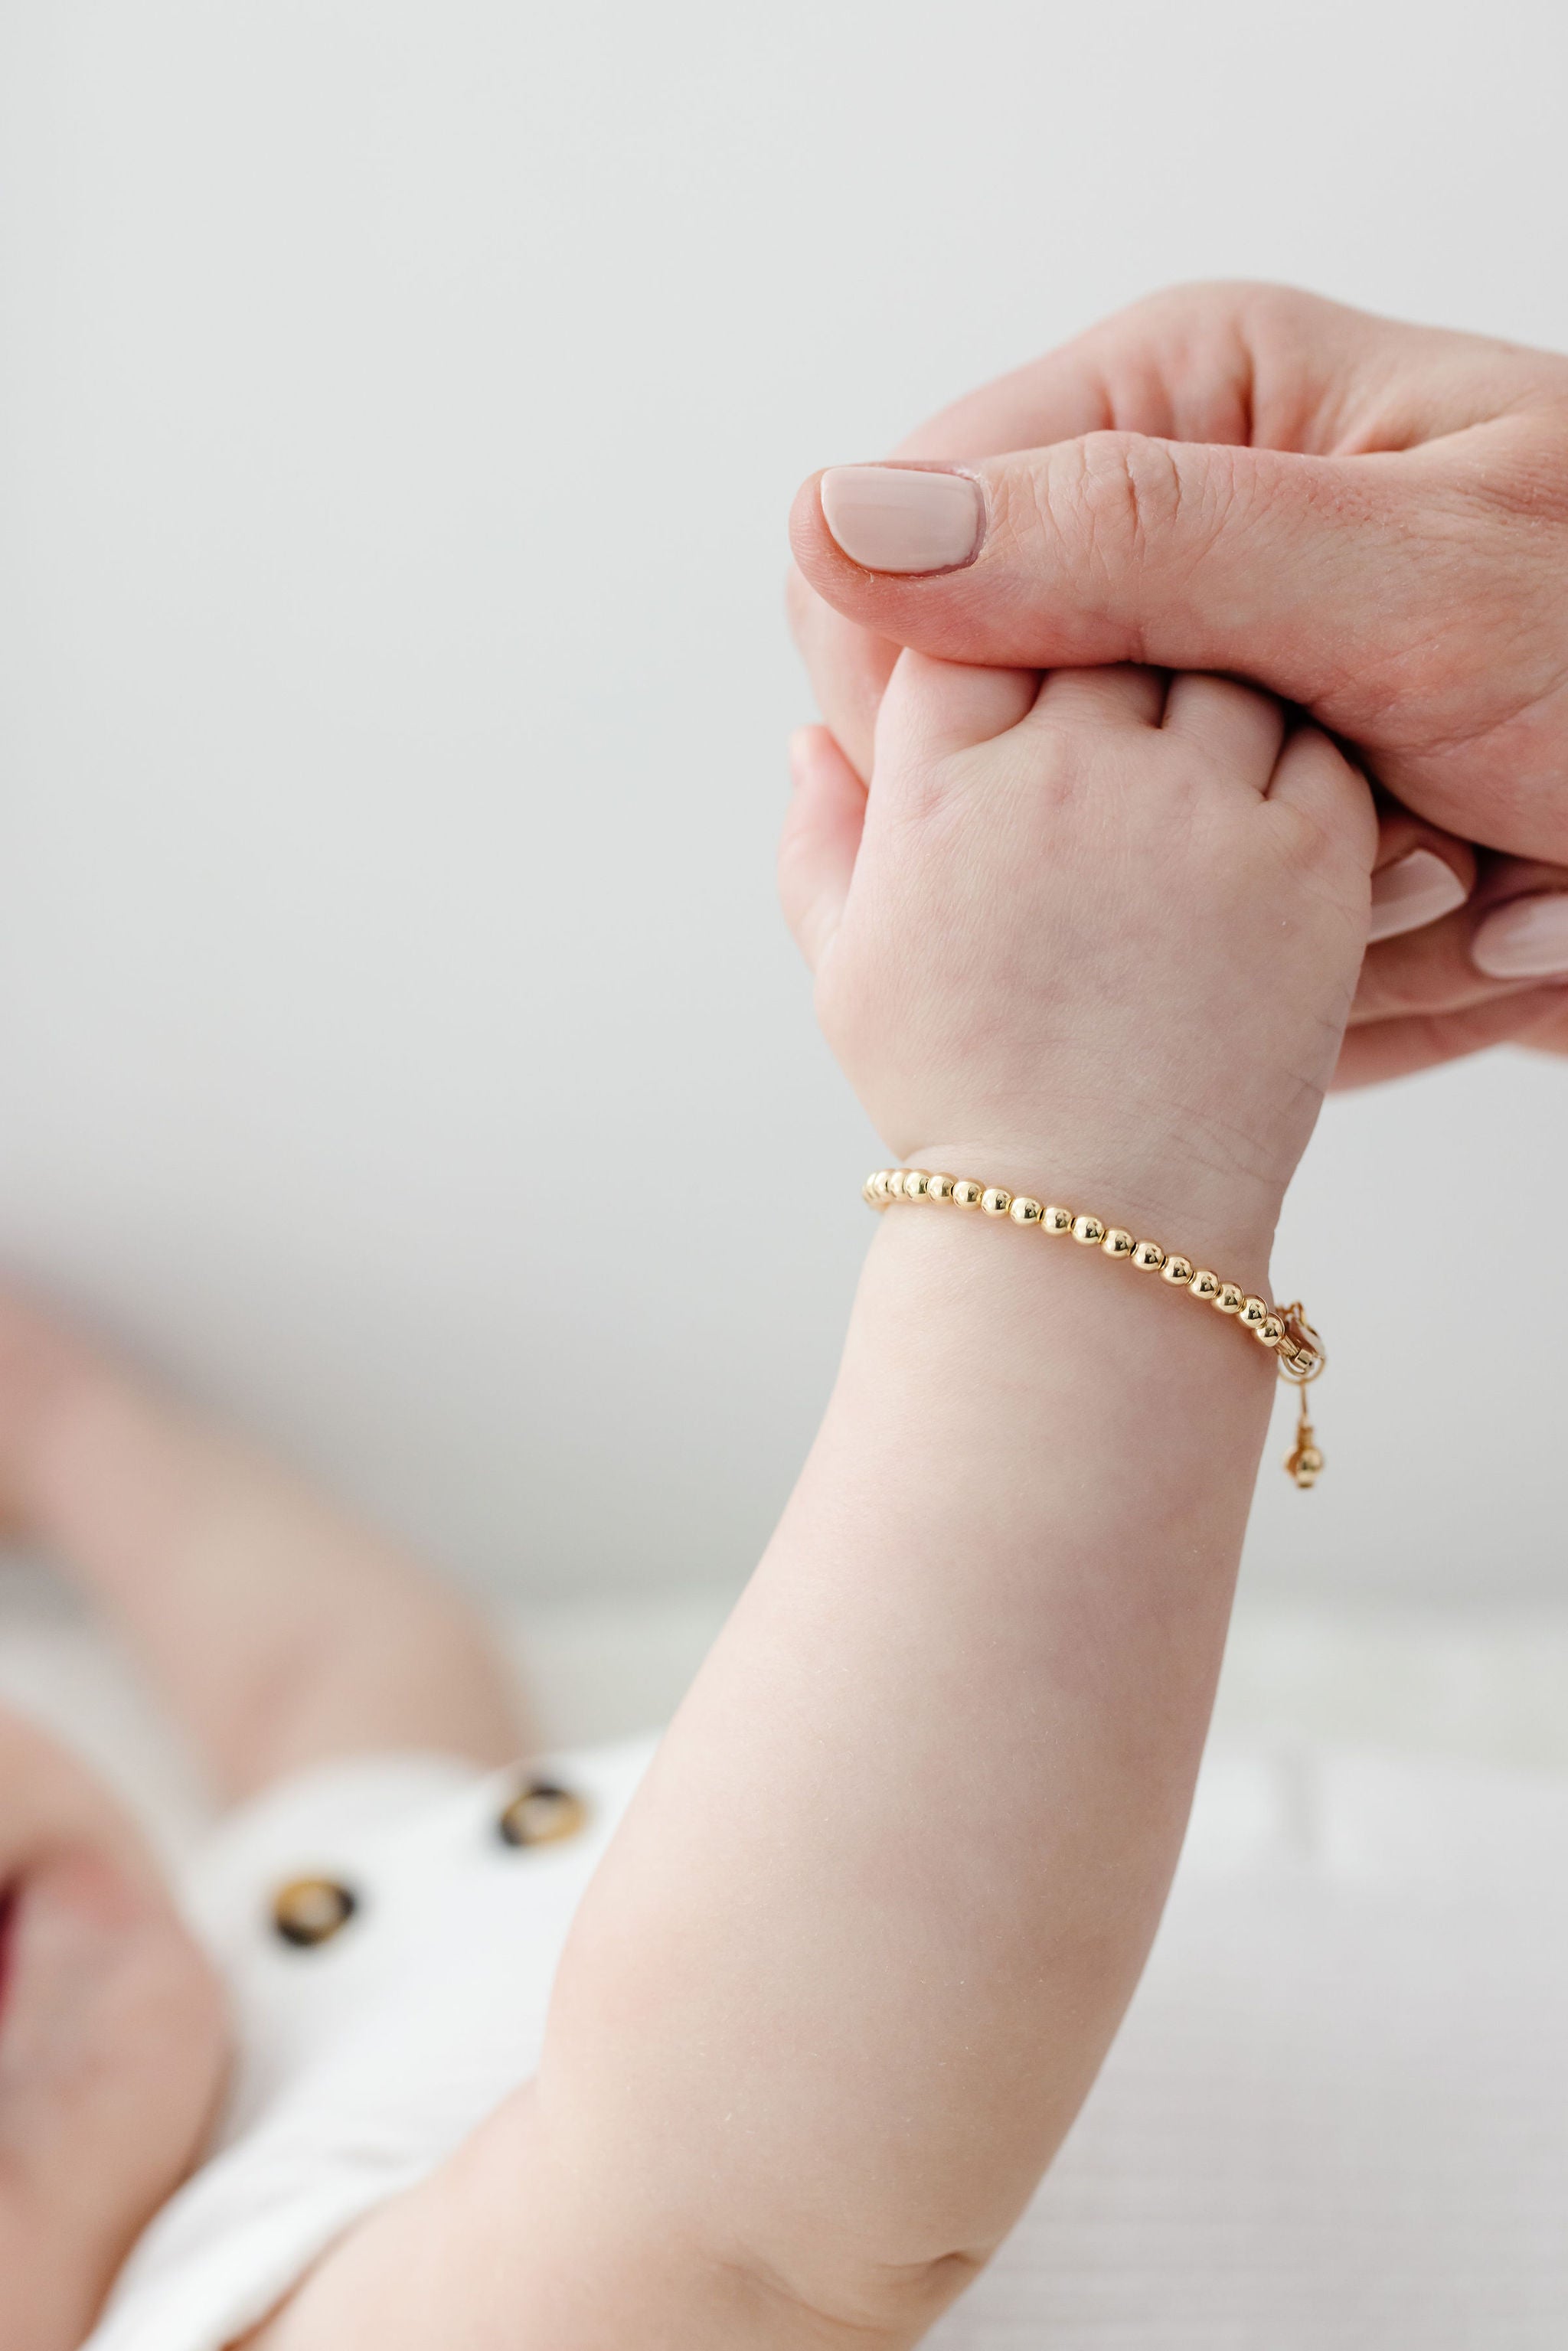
1283, 1330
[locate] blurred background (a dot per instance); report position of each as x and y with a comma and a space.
400, 407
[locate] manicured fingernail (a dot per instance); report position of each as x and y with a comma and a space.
1421, 888
1525, 940
895, 518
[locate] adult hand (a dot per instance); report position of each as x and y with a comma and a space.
1369, 518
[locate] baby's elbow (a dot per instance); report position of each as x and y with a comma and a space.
859, 2304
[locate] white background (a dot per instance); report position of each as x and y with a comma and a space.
402, 399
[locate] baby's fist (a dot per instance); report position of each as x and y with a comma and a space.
1095, 929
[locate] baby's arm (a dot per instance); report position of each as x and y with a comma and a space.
850, 1966
281, 1632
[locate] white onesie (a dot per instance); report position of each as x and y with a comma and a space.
1337, 2114
367, 2055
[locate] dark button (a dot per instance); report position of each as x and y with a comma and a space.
311, 1911
541, 1813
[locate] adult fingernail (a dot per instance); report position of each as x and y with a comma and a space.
896, 518
1527, 939
1420, 888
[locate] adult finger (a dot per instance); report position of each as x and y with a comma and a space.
1504, 942
1233, 361
1120, 547
1210, 362
1549, 1035
1227, 364
819, 843
1422, 873
1525, 937
1398, 1048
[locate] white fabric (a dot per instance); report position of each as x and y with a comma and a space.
1337, 2115
366, 2060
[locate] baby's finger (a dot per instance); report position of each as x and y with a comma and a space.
1121, 695
819, 843
1234, 725
1314, 778
849, 669
933, 708
1421, 874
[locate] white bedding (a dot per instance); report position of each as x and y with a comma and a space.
1338, 2113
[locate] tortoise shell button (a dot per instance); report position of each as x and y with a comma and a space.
541, 1813
311, 1911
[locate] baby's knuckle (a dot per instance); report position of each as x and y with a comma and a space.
923, 793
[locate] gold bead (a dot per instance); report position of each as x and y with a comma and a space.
939, 1187
967, 1193
1089, 1230
1254, 1313
995, 1201
1305, 1461
1177, 1270
915, 1179
1148, 1256
1025, 1211
1117, 1243
1057, 1220
1228, 1299
896, 1183
1270, 1330
1204, 1285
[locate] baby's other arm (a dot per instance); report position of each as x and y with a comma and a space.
281, 1632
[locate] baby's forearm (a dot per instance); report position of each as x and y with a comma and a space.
280, 1632
859, 1948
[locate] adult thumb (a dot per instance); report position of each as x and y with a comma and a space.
1122, 547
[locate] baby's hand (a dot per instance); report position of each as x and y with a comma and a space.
1098, 932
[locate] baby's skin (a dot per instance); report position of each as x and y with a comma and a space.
112, 2041
858, 1950
280, 1634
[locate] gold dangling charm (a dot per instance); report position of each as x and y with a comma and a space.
1304, 1364
1305, 1463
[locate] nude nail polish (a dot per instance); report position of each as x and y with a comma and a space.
900, 519
1421, 888
1527, 939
